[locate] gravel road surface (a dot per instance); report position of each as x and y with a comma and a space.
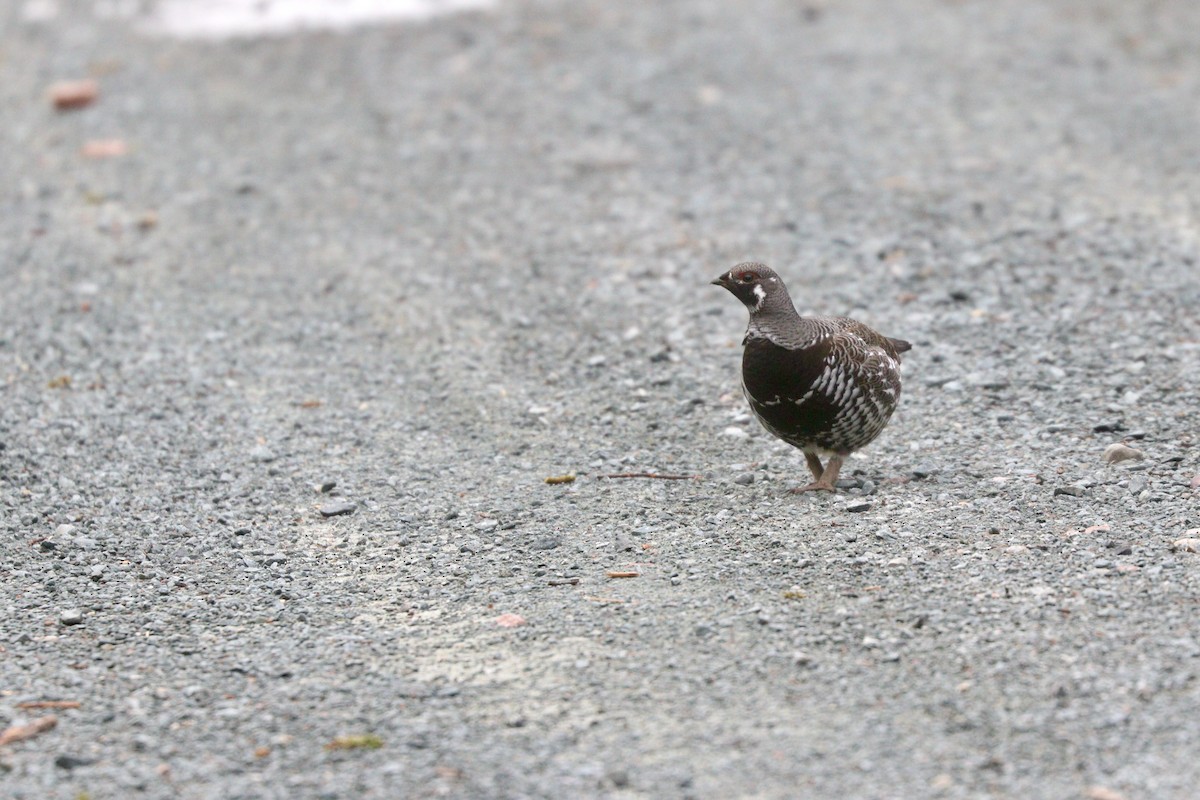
293, 330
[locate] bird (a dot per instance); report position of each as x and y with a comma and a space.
825, 385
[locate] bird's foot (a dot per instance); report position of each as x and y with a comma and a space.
815, 486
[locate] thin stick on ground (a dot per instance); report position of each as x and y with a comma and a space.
20, 732
660, 476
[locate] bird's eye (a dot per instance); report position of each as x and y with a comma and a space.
747, 277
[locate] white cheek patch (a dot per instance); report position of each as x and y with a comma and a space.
761, 294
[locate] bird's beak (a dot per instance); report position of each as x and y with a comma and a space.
721, 281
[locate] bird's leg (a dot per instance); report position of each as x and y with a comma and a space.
827, 478
814, 465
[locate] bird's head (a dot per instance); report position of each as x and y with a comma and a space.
756, 285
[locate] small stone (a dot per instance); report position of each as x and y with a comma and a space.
623, 543
72, 616
1196, 482
327, 486
1138, 484
337, 509
619, 778
801, 658
745, 479
546, 543
1188, 544
1117, 452
856, 506
64, 531
899, 561
510, 620
67, 95
941, 783
868, 487
262, 454
1103, 793
1071, 491
487, 524
1114, 426
734, 432
65, 761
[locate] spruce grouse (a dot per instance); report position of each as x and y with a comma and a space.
826, 385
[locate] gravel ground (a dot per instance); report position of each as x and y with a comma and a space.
280, 387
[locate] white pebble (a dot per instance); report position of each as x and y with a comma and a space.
1116, 453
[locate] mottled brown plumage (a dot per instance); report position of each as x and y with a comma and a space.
826, 385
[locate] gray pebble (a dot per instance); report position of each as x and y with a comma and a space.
745, 479
65, 761
1071, 491
337, 509
546, 543
856, 506
619, 778
262, 454
623, 544
71, 616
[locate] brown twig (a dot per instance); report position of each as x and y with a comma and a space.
660, 476
35, 704
563, 581
612, 573
18, 733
